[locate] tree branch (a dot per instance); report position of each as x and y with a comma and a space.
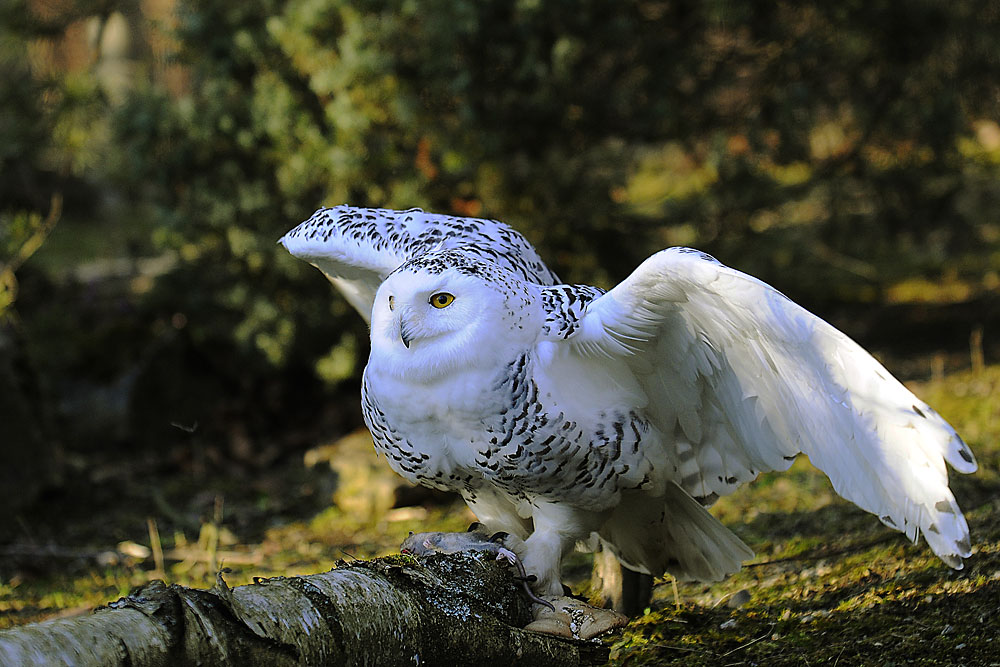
454, 609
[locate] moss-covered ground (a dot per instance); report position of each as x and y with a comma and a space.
830, 584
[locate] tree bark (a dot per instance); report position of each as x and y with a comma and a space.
446, 609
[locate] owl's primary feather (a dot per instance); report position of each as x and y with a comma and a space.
561, 412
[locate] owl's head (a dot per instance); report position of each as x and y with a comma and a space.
446, 310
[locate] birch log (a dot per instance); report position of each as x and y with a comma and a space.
446, 609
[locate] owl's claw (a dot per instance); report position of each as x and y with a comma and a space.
522, 576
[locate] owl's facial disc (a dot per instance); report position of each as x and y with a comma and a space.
407, 332
422, 315
427, 324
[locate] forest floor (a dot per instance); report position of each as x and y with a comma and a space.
830, 584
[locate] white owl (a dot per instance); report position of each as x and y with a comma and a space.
563, 412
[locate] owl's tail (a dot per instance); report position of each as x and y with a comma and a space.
675, 534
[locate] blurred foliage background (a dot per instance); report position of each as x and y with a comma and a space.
152, 152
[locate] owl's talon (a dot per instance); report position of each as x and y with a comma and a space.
521, 576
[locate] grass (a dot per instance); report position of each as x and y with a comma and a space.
830, 584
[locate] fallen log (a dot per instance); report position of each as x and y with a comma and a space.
445, 609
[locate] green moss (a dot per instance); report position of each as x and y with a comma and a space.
400, 560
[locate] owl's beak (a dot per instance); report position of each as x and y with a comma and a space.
405, 334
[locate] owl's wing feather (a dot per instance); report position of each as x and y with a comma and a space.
357, 248
744, 380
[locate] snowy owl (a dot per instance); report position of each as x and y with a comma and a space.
565, 414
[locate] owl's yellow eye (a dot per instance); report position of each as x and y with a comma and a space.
392, 302
442, 299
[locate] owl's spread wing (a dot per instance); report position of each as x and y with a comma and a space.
358, 247
744, 379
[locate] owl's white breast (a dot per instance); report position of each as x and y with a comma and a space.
443, 418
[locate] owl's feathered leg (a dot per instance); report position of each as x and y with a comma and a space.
543, 552
557, 529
